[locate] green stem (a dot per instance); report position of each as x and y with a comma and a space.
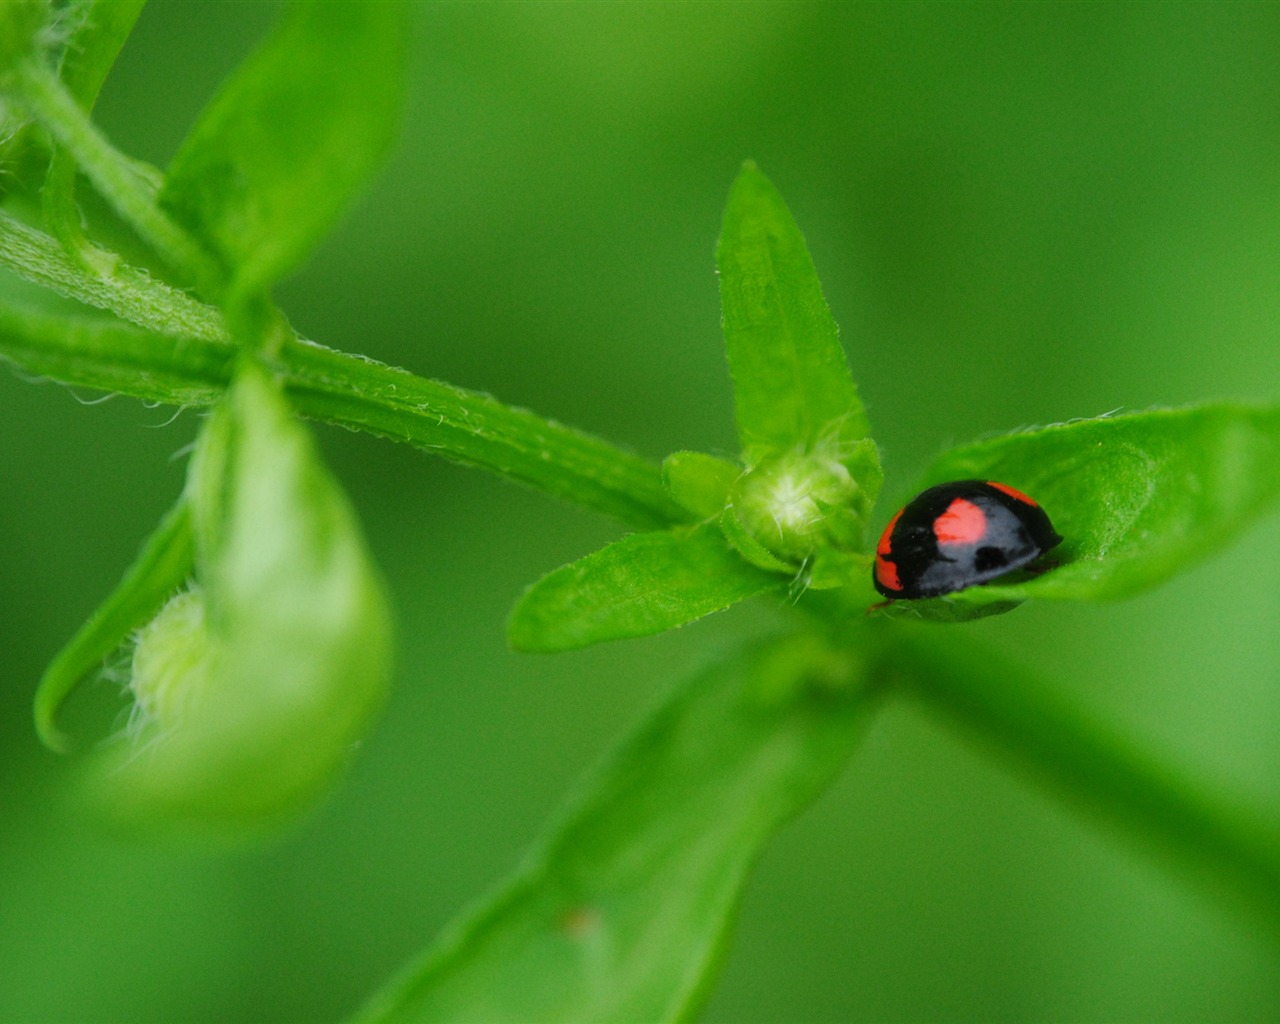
126, 291
349, 391
1224, 845
475, 429
113, 174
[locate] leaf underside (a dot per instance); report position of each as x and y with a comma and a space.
621, 913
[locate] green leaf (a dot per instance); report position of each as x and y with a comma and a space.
698, 482
255, 685
292, 136
792, 385
1137, 497
20, 24
163, 565
100, 28
622, 912
642, 584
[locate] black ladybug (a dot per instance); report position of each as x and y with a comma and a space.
958, 535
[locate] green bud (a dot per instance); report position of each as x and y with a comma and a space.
806, 510
172, 658
253, 688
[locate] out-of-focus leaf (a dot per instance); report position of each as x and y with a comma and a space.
292, 136
792, 386
644, 583
1137, 497
621, 912
100, 28
259, 682
163, 565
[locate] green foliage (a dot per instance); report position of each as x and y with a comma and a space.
20, 23
799, 509
621, 912
163, 565
792, 387
261, 637
1139, 497
291, 137
645, 583
287, 649
100, 30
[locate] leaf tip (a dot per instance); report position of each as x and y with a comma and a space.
44, 712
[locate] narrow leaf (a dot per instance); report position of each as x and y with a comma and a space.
645, 583
1137, 497
162, 567
292, 136
622, 911
792, 385
99, 30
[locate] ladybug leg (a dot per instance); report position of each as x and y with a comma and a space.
878, 605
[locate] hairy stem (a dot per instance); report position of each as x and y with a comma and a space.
115, 176
350, 391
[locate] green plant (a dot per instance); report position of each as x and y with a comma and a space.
621, 911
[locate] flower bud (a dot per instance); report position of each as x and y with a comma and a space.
253, 687
801, 510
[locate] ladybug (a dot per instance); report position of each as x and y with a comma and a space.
959, 535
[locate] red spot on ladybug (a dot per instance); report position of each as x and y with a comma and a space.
886, 571
960, 535
887, 576
962, 523
1013, 493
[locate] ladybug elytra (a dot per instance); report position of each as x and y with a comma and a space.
959, 535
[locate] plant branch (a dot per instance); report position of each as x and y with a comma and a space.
124, 290
1224, 845
350, 391
114, 175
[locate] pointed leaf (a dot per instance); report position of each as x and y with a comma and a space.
1136, 497
622, 912
645, 583
291, 137
792, 385
162, 567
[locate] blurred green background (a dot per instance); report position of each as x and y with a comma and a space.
1021, 214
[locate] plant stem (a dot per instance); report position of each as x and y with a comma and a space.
126, 291
349, 391
113, 174
1226, 846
